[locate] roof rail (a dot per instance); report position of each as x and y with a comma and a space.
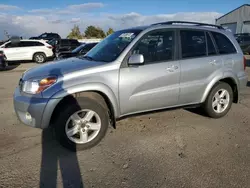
186, 22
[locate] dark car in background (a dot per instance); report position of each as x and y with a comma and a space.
47, 36
80, 50
244, 42
3, 62
62, 45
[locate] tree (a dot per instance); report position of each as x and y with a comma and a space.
109, 32
75, 33
94, 32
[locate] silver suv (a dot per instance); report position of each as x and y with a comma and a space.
164, 65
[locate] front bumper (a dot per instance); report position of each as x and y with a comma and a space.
32, 111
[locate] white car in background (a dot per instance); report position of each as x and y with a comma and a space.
37, 50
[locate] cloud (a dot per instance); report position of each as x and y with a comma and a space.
86, 6
75, 20
4, 7
71, 9
33, 25
41, 11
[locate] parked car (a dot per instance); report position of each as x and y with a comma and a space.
47, 36
244, 42
3, 62
80, 50
64, 45
36, 50
142, 69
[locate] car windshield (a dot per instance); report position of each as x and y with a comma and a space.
78, 48
113, 45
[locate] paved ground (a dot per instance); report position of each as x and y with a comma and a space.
177, 148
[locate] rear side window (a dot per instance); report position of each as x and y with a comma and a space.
224, 45
193, 43
210, 46
31, 43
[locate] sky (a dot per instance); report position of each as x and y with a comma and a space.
32, 17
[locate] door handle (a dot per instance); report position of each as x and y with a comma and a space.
213, 62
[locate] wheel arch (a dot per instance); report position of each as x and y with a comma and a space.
39, 52
227, 78
72, 93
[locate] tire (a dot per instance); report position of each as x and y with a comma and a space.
62, 122
214, 99
39, 58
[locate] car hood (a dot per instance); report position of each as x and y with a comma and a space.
59, 68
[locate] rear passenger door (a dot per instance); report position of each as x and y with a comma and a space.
199, 64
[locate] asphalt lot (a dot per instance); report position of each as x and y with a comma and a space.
175, 148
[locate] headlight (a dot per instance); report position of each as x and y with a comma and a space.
37, 86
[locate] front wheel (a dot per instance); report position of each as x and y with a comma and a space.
219, 101
82, 124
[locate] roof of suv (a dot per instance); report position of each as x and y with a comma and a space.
182, 24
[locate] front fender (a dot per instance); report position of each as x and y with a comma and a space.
91, 87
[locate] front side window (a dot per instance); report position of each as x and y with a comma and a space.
193, 43
156, 46
112, 46
224, 45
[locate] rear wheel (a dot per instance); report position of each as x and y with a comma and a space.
83, 124
219, 101
39, 58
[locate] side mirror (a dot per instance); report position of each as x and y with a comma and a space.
136, 59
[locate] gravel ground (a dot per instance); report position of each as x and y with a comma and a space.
174, 148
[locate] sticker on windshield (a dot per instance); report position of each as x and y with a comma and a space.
127, 35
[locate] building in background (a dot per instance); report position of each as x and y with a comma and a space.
238, 20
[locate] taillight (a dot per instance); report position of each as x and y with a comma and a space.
245, 62
50, 47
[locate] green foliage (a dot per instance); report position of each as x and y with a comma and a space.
75, 33
94, 32
110, 31
90, 32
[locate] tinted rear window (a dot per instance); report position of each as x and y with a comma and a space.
31, 43
224, 45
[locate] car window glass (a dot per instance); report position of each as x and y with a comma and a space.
223, 43
113, 45
193, 43
210, 46
74, 42
64, 42
86, 48
43, 35
156, 46
247, 39
12, 45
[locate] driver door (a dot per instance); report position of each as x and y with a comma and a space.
154, 84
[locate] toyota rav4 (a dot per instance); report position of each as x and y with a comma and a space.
142, 69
